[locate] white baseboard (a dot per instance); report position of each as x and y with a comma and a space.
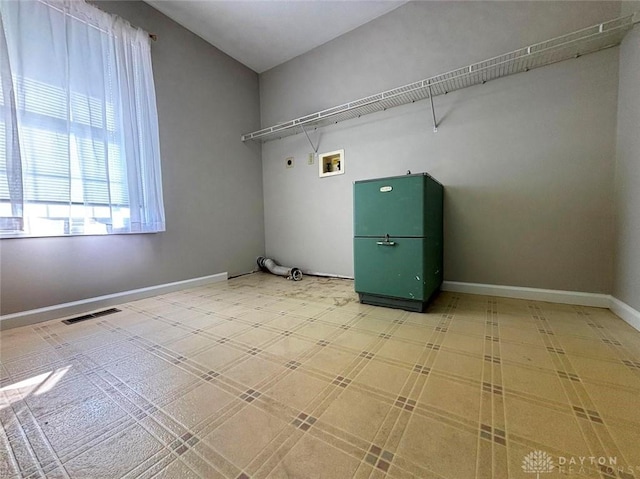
623, 310
549, 295
24, 318
626, 312
32, 316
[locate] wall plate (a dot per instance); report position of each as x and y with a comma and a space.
331, 163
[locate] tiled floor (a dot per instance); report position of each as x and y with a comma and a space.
263, 377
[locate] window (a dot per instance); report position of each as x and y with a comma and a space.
79, 148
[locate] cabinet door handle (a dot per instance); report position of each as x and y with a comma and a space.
386, 243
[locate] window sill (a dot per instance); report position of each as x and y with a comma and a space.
43, 235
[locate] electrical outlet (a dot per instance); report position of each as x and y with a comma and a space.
289, 162
311, 159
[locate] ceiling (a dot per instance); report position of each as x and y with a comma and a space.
263, 34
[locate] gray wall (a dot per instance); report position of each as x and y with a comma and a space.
212, 186
527, 161
627, 259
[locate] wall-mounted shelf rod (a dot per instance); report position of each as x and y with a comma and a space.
572, 45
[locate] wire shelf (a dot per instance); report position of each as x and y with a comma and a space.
572, 45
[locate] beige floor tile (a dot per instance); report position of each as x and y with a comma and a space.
203, 321
72, 411
217, 306
613, 372
97, 340
255, 337
76, 423
387, 314
374, 324
21, 336
318, 330
526, 354
331, 360
16, 347
297, 390
198, 405
243, 436
311, 458
401, 351
356, 306
337, 316
218, 357
564, 327
384, 377
428, 320
137, 366
24, 365
357, 341
630, 340
290, 347
521, 335
515, 320
191, 318
460, 399
311, 310
255, 316
440, 448
115, 456
177, 469
166, 334
627, 437
592, 333
458, 364
195, 459
74, 332
464, 343
161, 387
287, 322
616, 403
538, 383
281, 306
469, 327
587, 348
414, 332
254, 370
60, 390
228, 329
148, 326
545, 426
356, 413
112, 352
191, 345
127, 318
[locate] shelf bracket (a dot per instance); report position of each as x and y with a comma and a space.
433, 110
315, 148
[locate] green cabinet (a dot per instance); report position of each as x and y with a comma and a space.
398, 240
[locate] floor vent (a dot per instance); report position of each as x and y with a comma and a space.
90, 316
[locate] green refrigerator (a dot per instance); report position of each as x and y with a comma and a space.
398, 238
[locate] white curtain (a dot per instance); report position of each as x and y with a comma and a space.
87, 119
10, 164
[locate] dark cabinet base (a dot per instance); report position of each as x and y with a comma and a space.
398, 303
